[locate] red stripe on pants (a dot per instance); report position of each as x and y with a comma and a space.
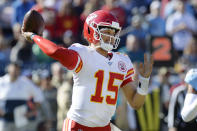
70, 125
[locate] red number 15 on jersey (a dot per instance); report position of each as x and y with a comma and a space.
97, 96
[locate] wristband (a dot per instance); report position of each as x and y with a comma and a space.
142, 88
32, 36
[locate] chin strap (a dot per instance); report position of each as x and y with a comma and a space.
142, 88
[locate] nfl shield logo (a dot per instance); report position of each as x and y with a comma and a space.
109, 63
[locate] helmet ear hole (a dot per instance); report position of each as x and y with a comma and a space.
88, 30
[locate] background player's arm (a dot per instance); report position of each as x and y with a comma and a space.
66, 57
190, 113
135, 97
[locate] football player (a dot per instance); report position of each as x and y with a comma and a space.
189, 111
98, 73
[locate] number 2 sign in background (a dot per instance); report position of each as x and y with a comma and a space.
162, 51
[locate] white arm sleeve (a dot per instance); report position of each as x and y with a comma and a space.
189, 111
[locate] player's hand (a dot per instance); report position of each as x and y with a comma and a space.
27, 35
145, 69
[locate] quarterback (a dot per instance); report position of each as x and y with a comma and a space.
98, 73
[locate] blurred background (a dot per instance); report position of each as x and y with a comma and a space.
165, 28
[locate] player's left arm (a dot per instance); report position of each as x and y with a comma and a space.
136, 96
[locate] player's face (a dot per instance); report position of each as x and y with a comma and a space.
107, 34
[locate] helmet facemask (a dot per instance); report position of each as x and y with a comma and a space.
113, 41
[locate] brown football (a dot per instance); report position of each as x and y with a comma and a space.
33, 22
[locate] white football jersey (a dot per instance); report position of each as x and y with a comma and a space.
96, 83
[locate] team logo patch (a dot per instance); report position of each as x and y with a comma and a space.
122, 66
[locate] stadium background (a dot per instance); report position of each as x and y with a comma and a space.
148, 26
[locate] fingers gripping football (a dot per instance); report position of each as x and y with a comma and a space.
33, 23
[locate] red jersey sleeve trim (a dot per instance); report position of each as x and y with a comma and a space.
79, 66
129, 72
126, 82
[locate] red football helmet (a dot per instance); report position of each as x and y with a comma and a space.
101, 20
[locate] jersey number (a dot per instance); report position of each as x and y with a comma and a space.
97, 97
